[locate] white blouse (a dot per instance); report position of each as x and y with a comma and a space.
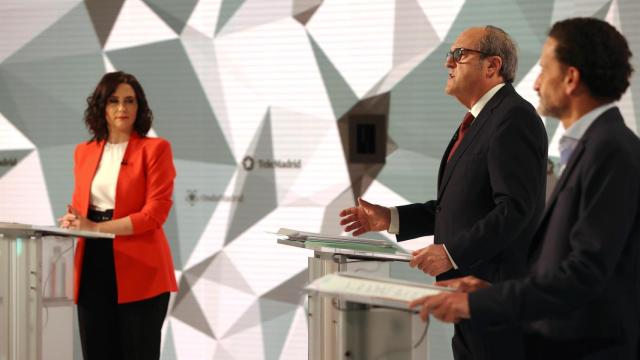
103, 187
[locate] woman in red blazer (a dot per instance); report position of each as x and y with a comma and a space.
123, 185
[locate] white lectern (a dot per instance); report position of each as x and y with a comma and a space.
376, 322
327, 323
36, 291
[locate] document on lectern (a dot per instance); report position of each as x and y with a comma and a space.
311, 236
372, 290
348, 245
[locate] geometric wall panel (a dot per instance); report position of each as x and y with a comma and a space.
256, 98
339, 91
227, 9
177, 99
174, 13
129, 27
196, 188
11, 158
258, 185
103, 16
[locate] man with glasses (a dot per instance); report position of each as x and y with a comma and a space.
491, 185
581, 298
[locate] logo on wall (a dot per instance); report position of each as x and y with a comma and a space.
248, 163
193, 197
8, 162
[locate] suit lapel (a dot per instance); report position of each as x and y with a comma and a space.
536, 246
608, 116
468, 139
443, 161
575, 157
579, 151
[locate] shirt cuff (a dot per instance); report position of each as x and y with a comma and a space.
453, 263
394, 222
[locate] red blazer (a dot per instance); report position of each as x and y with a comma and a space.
143, 263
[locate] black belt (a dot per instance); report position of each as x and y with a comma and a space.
100, 216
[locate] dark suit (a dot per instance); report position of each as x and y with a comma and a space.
583, 291
490, 199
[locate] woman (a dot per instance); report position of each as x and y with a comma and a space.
123, 186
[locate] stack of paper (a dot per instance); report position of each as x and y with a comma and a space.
310, 236
372, 290
316, 241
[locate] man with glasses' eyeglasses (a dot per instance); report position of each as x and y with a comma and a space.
491, 186
457, 54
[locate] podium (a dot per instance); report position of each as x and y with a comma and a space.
36, 291
330, 326
376, 320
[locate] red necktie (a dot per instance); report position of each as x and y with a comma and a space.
466, 122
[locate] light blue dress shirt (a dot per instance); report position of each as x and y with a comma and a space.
574, 133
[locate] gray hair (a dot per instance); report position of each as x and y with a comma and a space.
496, 42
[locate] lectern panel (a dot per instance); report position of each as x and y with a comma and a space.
36, 307
4, 291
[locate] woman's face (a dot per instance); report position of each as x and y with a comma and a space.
121, 110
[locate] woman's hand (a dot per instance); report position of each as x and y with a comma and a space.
74, 221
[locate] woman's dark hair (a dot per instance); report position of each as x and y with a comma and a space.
94, 117
599, 52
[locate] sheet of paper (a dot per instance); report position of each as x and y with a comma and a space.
401, 292
307, 235
417, 243
311, 236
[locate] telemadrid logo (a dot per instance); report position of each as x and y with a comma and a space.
193, 197
249, 163
8, 162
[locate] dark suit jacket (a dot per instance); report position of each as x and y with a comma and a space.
585, 258
490, 194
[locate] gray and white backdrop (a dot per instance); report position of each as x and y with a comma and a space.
255, 97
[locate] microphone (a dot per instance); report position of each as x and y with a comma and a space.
124, 162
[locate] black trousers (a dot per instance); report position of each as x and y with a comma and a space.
544, 348
476, 343
109, 330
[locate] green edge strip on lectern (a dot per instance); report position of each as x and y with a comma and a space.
352, 246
